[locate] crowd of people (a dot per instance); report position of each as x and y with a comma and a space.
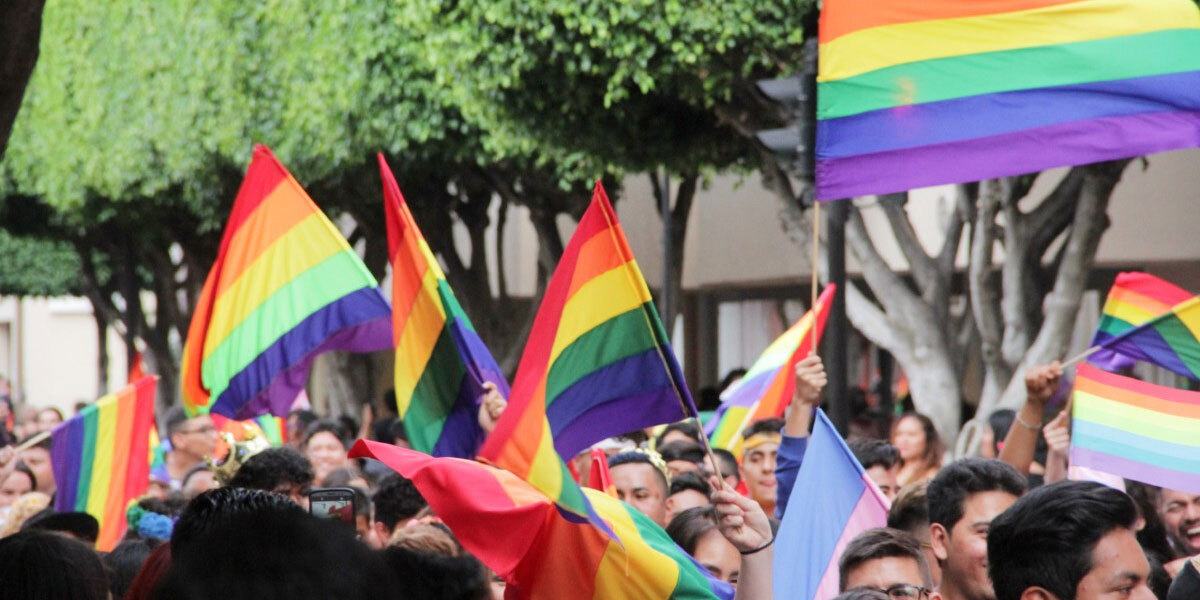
1003, 525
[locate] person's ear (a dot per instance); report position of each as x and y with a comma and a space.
670, 503
939, 539
1037, 593
381, 532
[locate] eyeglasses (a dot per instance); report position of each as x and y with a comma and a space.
907, 591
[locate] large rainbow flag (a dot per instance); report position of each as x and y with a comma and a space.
285, 287
101, 457
441, 364
839, 502
765, 390
598, 363
1133, 299
1170, 340
919, 93
1136, 430
543, 555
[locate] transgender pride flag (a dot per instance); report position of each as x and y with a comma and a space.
833, 501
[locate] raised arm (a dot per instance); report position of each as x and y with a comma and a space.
1040, 384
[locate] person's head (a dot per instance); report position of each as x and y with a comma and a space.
688, 490
641, 483
396, 500
282, 471
124, 562
77, 525
915, 437
963, 499
730, 378
1180, 513
998, 424
275, 555
862, 593
197, 481
427, 538
885, 559
398, 435
221, 506
297, 422
42, 564
430, 576
194, 437
881, 460
20, 481
910, 512
695, 530
683, 431
325, 445
1071, 540
47, 418
345, 477
682, 457
728, 464
37, 459
760, 446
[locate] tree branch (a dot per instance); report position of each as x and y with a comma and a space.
919, 262
985, 305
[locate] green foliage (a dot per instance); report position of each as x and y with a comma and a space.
35, 267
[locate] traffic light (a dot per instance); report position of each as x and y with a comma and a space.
794, 145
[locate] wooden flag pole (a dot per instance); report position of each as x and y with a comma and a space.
33, 441
1080, 356
816, 252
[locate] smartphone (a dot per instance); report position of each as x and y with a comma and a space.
333, 503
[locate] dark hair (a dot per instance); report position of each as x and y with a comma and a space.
1158, 580
396, 499
303, 417
396, 431
339, 477
381, 427
349, 425
878, 543
1152, 537
910, 511
862, 593
217, 507
874, 453
44, 444
689, 526
256, 557
730, 377
1047, 538
333, 427
933, 442
175, 419
200, 468
429, 576
634, 457
685, 451
153, 569
687, 428
79, 525
124, 562
1000, 421
689, 481
949, 489
41, 564
271, 468
23, 468
768, 425
729, 463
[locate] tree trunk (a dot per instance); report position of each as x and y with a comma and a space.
680, 212
101, 353
20, 35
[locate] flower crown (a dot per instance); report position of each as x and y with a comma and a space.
148, 524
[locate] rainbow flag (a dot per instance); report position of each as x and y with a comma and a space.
1136, 430
599, 477
285, 287
1133, 299
839, 502
765, 390
919, 93
598, 363
543, 555
101, 457
1170, 340
441, 364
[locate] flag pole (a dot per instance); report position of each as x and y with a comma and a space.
816, 250
1080, 356
33, 441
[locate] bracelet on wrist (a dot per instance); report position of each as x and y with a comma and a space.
762, 547
1022, 423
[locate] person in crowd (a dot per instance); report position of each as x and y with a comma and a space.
730, 378
881, 461
1021, 444
283, 471
994, 431
297, 423
1180, 512
921, 450
695, 530
39, 564
1186, 585
222, 506
78, 525
1068, 540
433, 576
910, 513
430, 538
397, 435
1153, 534
37, 459
963, 499
153, 569
19, 481
345, 477
760, 449
682, 431
682, 457
7, 426
152, 518
47, 418
642, 480
1159, 580
888, 560
728, 465
688, 490
396, 500
192, 439
325, 444
810, 381
745, 524
198, 480
124, 562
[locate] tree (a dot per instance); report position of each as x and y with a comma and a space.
20, 30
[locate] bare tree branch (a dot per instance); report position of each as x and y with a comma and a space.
923, 269
1012, 304
985, 304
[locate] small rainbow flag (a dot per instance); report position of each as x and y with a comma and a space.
598, 363
767, 387
839, 502
543, 555
285, 287
912, 94
1133, 299
599, 477
101, 457
1170, 340
1136, 430
441, 364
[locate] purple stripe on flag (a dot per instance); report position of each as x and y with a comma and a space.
1075, 143
1137, 471
66, 452
461, 434
749, 391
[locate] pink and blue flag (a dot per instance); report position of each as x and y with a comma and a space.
833, 501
